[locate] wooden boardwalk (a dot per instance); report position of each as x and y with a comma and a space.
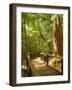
40, 68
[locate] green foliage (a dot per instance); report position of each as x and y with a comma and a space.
37, 32
57, 61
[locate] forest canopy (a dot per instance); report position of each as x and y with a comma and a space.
37, 33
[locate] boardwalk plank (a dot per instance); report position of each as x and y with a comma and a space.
40, 68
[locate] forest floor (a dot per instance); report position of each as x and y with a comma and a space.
40, 68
